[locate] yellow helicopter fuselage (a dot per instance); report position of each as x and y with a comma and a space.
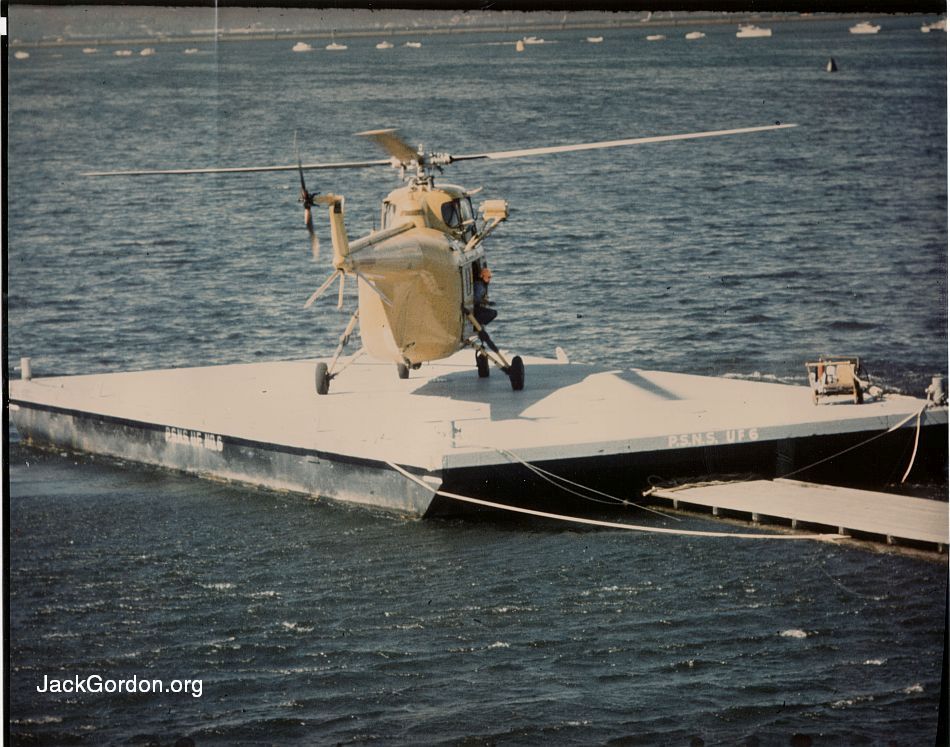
424, 279
416, 286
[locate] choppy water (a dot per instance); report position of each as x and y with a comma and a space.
313, 623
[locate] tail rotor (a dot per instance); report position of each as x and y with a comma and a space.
307, 200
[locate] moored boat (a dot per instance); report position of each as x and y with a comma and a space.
751, 31
864, 28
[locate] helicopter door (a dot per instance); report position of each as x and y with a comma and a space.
468, 289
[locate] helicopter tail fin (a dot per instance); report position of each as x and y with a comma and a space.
338, 235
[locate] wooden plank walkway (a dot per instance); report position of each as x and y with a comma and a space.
849, 511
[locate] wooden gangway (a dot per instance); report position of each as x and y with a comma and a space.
895, 519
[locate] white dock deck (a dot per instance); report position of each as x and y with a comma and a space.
442, 418
895, 517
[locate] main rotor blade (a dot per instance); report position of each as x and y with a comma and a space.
394, 145
243, 169
523, 153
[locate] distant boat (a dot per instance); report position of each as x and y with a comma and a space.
532, 40
384, 45
695, 35
940, 25
864, 28
89, 50
832, 66
519, 46
595, 39
147, 52
655, 37
414, 45
750, 31
334, 46
123, 53
302, 47
191, 50
21, 55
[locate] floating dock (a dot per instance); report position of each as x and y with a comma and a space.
895, 519
615, 430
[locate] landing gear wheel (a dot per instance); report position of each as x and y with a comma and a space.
403, 370
516, 373
322, 379
481, 361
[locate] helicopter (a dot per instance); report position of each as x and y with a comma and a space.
422, 287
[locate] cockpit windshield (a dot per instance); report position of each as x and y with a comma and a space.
389, 212
450, 214
458, 214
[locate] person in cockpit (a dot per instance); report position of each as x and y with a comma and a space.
484, 313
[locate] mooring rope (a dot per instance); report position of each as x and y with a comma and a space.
552, 478
913, 455
611, 524
869, 440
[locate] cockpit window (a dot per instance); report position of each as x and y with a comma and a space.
451, 214
465, 205
458, 214
389, 212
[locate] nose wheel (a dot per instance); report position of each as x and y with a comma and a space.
322, 378
516, 373
481, 363
324, 374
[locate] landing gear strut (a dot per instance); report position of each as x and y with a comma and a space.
486, 350
324, 374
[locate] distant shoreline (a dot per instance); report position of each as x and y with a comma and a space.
305, 35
